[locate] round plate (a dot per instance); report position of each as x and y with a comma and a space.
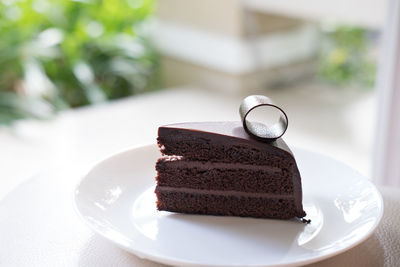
116, 199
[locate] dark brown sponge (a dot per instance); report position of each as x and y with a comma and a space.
233, 177
226, 205
203, 149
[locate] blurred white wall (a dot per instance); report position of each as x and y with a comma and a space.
365, 13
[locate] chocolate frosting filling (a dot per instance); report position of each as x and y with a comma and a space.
223, 192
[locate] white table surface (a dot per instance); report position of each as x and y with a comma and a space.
38, 226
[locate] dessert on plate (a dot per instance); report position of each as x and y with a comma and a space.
228, 168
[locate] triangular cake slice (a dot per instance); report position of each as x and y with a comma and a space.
216, 168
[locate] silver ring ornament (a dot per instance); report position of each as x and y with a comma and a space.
257, 129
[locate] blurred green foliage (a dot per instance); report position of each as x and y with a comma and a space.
346, 57
56, 54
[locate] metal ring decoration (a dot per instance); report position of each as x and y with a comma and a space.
259, 130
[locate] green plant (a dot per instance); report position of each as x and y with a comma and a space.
60, 53
345, 57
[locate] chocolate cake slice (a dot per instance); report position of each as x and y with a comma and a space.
216, 168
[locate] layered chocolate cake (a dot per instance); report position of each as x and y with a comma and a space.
217, 168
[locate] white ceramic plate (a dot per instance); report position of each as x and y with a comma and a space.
116, 199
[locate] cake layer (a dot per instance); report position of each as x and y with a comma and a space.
227, 203
224, 176
221, 142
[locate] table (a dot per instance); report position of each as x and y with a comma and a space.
38, 226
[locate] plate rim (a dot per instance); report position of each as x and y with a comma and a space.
178, 262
